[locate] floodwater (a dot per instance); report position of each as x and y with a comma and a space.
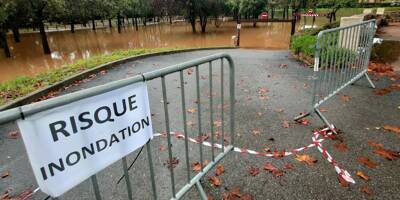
28, 58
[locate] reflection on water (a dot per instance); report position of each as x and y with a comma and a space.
28, 58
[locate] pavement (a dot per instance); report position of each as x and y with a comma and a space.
259, 125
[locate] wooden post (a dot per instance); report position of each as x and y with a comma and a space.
293, 26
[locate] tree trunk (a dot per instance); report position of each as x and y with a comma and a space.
193, 23
93, 25
170, 19
4, 44
43, 35
110, 23
119, 24
72, 27
136, 24
144, 20
203, 23
16, 35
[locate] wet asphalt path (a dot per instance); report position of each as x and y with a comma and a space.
289, 93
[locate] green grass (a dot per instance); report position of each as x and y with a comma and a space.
24, 85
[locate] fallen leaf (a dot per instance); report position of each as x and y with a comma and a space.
283, 66
279, 110
288, 166
13, 134
254, 171
209, 197
343, 182
367, 162
190, 124
215, 181
217, 123
255, 131
375, 144
262, 90
267, 149
366, 190
247, 197
260, 114
197, 167
342, 147
220, 169
382, 91
304, 122
323, 110
285, 124
272, 169
4, 174
362, 175
172, 163
191, 110
162, 147
236, 192
386, 153
395, 86
345, 98
392, 129
309, 160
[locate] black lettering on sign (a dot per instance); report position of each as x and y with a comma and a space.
58, 127
108, 115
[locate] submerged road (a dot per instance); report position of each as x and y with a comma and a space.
271, 88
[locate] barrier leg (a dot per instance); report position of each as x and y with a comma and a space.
369, 80
323, 118
302, 116
200, 189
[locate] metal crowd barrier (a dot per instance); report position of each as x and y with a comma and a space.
23, 111
341, 58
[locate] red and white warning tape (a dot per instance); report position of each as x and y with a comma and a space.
316, 143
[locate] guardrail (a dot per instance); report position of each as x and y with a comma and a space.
27, 110
341, 58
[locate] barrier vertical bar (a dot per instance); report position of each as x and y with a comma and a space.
211, 111
200, 138
343, 55
127, 179
96, 187
232, 100
328, 64
168, 131
316, 74
333, 61
185, 125
222, 106
152, 176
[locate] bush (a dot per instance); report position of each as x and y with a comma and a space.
303, 44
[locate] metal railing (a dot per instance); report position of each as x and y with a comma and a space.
341, 58
26, 110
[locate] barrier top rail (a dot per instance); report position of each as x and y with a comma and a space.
344, 27
26, 110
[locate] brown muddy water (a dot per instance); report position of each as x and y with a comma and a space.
28, 58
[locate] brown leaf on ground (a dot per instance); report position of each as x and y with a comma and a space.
342, 147
262, 90
217, 123
323, 110
392, 129
343, 182
197, 167
190, 124
254, 171
375, 144
202, 138
255, 131
309, 160
236, 192
4, 174
367, 162
386, 153
209, 197
267, 149
366, 190
172, 163
247, 197
191, 110
288, 166
215, 181
162, 147
362, 175
272, 169
13, 134
304, 122
395, 86
279, 110
260, 114
382, 91
345, 98
285, 124
228, 196
220, 169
